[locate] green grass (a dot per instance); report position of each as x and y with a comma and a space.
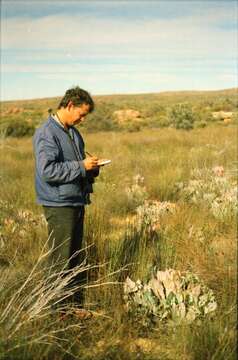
163, 157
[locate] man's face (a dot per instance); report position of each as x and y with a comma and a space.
77, 113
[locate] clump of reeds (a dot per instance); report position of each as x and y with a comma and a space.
142, 237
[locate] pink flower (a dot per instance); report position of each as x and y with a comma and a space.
218, 170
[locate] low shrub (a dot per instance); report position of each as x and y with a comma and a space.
182, 116
17, 128
132, 126
213, 188
200, 124
169, 295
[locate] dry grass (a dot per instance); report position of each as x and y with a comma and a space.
190, 239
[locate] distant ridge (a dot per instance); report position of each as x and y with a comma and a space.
146, 95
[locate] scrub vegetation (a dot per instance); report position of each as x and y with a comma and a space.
181, 110
166, 201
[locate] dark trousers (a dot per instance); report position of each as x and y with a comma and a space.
65, 230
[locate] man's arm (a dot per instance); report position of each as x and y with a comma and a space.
48, 164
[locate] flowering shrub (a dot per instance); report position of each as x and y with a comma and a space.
136, 193
149, 214
213, 189
169, 295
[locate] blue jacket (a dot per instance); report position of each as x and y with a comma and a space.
60, 175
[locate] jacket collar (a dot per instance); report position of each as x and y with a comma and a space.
55, 117
56, 123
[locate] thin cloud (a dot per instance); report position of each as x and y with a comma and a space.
77, 37
115, 9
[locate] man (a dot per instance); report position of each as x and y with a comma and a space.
64, 178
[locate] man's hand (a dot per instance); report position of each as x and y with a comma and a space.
91, 163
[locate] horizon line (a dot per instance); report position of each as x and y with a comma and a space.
124, 94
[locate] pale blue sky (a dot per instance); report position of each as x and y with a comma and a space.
111, 47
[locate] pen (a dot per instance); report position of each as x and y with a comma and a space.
88, 153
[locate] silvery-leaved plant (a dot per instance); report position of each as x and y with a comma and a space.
169, 296
212, 188
149, 214
136, 193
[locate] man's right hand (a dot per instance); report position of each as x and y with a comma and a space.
91, 163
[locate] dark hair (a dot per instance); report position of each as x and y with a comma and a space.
78, 96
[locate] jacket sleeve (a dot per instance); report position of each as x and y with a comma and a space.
92, 173
48, 164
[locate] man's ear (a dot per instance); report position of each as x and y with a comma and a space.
70, 104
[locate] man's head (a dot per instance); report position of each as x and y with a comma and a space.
75, 105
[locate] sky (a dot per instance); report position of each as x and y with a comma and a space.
117, 46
